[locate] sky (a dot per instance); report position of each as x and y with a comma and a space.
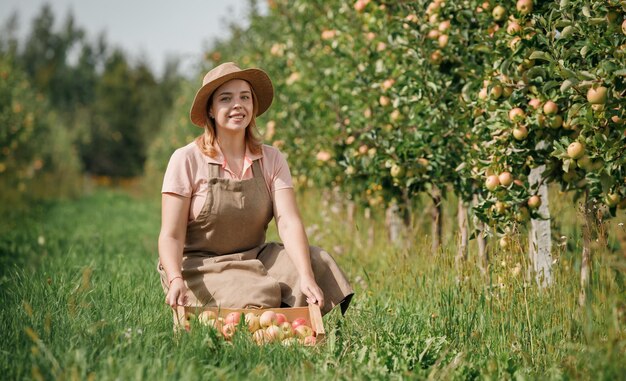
153, 29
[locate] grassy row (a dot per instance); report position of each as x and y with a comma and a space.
81, 300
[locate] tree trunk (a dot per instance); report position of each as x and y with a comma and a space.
436, 220
393, 220
483, 257
540, 242
370, 227
585, 266
461, 254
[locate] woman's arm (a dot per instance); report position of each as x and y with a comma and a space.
291, 231
174, 215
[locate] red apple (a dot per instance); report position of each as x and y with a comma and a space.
309, 341
513, 28
492, 182
233, 318
534, 103
267, 319
298, 322
280, 318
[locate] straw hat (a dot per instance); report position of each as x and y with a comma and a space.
258, 79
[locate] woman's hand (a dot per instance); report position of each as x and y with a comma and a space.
177, 293
314, 293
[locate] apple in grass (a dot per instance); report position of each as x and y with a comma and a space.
267, 319
303, 331
258, 336
309, 341
207, 318
233, 318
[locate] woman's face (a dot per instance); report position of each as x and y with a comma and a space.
232, 106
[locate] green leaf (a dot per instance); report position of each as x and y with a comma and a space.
621, 72
567, 32
539, 55
567, 84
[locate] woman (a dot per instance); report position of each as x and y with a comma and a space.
219, 194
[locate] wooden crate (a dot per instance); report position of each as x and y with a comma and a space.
311, 313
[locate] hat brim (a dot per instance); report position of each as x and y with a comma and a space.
258, 80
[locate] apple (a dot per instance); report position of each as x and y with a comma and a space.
483, 94
514, 43
597, 95
499, 13
309, 341
444, 26
585, 163
433, 34
289, 341
517, 114
436, 57
259, 337
286, 329
298, 322
443, 40
612, 199
624, 26
252, 320
267, 319
233, 318
396, 171
550, 108
524, 6
280, 318
505, 178
575, 150
513, 28
273, 333
492, 182
496, 92
499, 207
556, 121
360, 5
520, 133
228, 330
303, 331
504, 242
207, 318
384, 101
534, 103
534, 202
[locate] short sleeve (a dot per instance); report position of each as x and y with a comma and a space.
178, 177
281, 176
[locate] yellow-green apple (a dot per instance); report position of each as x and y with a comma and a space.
624, 26
597, 95
505, 178
303, 331
556, 121
252, 320
612, 199
499, 13
396, 171
576, 150
286, 329
517, 115
206, 316
496, 92
550, 108
499, 207
492, 182
520, 133
443, 40
289, 341
267, 319
524, 6
259, 336
273, 333
534, 202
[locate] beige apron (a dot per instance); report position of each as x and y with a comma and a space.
227, 263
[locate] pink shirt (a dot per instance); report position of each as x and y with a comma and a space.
188, 171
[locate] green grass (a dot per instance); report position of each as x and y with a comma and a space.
81, 300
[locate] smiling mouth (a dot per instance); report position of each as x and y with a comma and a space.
237, 117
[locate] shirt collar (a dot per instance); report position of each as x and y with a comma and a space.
248, 157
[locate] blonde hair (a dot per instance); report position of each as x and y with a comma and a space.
206, 142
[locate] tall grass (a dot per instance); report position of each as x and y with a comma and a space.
81, 300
